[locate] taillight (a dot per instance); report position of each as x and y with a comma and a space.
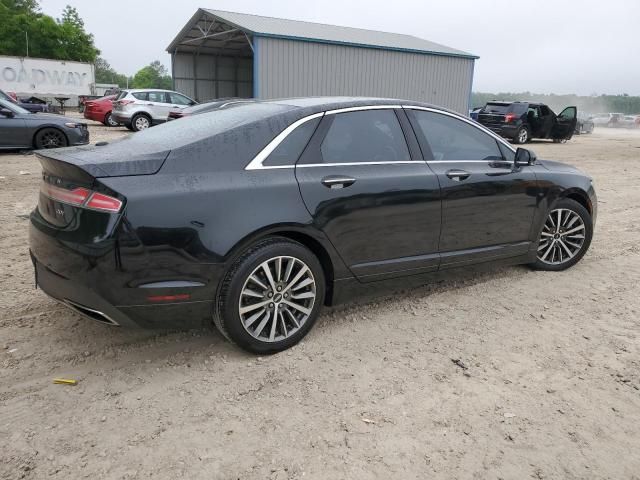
104, 203
77, 196
509, 117
125, 102
82, 197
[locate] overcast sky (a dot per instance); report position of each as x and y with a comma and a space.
542, 46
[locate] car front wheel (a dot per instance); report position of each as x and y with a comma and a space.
50, 138
565, 236
271, 296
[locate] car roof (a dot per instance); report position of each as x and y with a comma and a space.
320, 104
134, 90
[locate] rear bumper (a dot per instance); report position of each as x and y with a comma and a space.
97, 116
121, 117
87, 279
506, 131
84, 301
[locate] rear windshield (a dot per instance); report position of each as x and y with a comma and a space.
121, 95
497, 107
503, 108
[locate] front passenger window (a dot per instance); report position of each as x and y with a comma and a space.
454, 139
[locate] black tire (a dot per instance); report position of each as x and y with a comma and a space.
139, 121
129, 126
50, 138
227, 316
583, 213
522, 136
109, 121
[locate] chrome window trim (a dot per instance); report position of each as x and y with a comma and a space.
256, 163
363, 108
466, 120
355, 164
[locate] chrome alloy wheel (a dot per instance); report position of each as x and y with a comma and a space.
277, 299
562, 237
142, 123
523, 135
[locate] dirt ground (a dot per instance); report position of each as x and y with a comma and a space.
550, 389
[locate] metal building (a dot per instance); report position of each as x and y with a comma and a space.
225, 54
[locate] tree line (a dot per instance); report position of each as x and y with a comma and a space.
26, 31
588, 104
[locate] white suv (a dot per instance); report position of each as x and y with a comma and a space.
142, 108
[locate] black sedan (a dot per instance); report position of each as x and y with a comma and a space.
258, 214
21, 129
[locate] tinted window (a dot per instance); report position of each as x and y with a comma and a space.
178, 99
158, 97
122, 94
497, 107
454, 139
290, 149
544, 110
365, 136
519, 108
140, 95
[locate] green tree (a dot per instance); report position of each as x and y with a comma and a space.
75, 42
64, 39
107, 74
154, 75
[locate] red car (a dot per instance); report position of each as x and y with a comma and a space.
100, 110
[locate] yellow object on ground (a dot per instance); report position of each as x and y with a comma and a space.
65, 381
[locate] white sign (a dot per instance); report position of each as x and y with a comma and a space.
37, 76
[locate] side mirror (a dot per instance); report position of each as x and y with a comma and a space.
524, 157
5, 112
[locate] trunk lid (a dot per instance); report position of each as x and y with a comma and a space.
104, 160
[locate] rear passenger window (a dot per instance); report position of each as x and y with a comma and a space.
290, 149
454, 139
158, 97
140, 95
365, 136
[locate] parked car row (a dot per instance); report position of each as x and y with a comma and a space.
140, 109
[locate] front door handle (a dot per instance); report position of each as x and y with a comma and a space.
338, 181
458, 175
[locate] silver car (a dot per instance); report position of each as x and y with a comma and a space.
140, 109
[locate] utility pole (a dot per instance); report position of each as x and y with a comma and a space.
26, 36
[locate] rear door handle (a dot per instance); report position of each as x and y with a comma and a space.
338, 181
458, 175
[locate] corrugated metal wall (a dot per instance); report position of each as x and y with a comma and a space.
289, 68
217, 76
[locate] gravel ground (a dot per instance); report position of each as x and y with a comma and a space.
546, 383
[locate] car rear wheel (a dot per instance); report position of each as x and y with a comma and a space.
50, 138
109, 121
271, 296
565, 236
140, 122
522, 136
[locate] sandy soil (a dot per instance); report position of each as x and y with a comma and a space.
550, 389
